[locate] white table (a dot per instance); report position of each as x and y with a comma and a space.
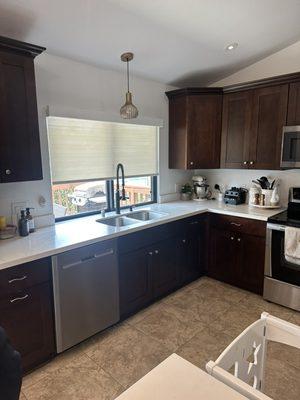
178, 379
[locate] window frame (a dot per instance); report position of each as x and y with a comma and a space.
110, 200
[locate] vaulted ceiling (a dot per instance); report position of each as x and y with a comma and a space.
181, 42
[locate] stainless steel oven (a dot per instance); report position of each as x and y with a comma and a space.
290, 148
282, 279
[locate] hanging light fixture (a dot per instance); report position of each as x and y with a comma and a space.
128, 110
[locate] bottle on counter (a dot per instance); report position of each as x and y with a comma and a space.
30, 219
23, 224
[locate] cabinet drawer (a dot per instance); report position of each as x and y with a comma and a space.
240, 225
20, 277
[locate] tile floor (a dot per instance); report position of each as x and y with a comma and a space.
197, 322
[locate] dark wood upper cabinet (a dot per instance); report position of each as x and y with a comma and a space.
293, 117
268, 118
20, 154
236, 125
194, 128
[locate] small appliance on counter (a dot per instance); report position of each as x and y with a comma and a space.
235, 196
282, 276
201, 188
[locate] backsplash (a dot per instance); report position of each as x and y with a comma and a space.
236, 177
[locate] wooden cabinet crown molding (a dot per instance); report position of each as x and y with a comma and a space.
272, 81
16, 46
194, 90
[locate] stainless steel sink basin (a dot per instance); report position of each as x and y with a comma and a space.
117, 221
145, 215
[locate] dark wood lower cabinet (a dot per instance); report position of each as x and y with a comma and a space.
160, 266
26, 314
237, 252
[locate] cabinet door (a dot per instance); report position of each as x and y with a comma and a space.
223, 255
135, 281
236, 124
250, 263
20, 155
293, 117
268, 119
204, 131
27, 318
164, 267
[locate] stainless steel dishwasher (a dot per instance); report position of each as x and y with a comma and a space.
86, 292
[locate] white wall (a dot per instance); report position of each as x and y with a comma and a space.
66, 84
283, 62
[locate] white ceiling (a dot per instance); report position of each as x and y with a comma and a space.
180, 42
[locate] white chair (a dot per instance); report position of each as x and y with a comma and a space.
242, 364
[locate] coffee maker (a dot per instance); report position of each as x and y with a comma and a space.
201, 188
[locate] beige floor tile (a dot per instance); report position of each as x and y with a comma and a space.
127, 354
153, 308
195, 306
206, 345
285, 354
80, 380
168, 329
62, 360
295, 318
258, 304
235, 320
282, 382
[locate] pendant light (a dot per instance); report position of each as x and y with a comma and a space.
128, 110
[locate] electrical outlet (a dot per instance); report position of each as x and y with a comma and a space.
178, 187
17, 206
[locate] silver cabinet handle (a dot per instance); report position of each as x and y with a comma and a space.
19, 298
7, 171
235, 224
183, 240
150, 253
238, 239
192, 163
194, 223
245, 162
231, 238
156, 251
251, 162
17, 279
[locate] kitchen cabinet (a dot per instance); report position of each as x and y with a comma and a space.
20, 154
268, 118
237, 248
26, 310
293, 117
192, 249
236, 125
194, 128
156, 261
252, 127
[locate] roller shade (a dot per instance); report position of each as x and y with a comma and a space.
90, 150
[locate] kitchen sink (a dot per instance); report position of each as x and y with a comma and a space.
117, 221
145, 215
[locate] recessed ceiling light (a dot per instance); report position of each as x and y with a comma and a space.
231, 46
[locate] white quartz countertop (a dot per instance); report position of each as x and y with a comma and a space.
77, 232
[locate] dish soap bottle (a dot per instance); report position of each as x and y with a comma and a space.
23, 224
30, 219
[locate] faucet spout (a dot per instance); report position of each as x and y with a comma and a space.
118, 195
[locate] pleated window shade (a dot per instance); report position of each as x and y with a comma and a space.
82, 150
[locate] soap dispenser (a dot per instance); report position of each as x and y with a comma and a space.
30, 219
23, 224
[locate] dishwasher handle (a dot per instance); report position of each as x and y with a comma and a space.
89, 258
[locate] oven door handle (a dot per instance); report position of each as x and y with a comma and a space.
275, 227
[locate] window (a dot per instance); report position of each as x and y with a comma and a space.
84, 155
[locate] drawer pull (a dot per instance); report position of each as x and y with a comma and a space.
183, 240
231, 238
194, 223
17, 279
235, 224
238, 239
156, 251
19, 298
150, 253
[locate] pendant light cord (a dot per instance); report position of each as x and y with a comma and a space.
127, 76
